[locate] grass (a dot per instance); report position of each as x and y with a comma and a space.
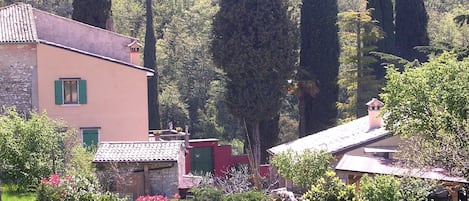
8, 194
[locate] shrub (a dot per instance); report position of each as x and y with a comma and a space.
77, 188
380, 188
246, 196
330, 188
152, 198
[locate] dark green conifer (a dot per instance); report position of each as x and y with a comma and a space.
149, 61
319, 66
411, 29
254, 44
92, 12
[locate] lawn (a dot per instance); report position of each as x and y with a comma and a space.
9, 195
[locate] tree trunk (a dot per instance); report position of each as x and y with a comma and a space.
359, 66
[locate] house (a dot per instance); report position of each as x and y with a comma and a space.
144, 168
87, 76
363, 146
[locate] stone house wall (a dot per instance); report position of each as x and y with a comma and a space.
129, 178
18, 76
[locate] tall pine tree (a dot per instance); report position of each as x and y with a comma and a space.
92, 12
319, 66
149, 61
411, 29
383, 12
254, 44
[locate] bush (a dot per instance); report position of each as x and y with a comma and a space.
247, 196
380, 188
30, 148
330, 188
78, 188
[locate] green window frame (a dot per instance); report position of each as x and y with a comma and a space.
90, 137
70, 91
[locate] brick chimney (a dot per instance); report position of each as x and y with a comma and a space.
135, 53
374, 110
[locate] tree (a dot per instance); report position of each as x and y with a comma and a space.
92, 12
382, 11
30, 149
319, 66
429, 106
357, 82
303, 169
149, 61
254, 45
411, 29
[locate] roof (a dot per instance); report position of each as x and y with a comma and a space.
150, 72
17, 24
374, 165
158, 151
337, 139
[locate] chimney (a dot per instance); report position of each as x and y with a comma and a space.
135, 54
374, 110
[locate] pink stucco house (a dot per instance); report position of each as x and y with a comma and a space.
89, 77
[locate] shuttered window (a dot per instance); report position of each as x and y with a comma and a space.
70, 91
90, 137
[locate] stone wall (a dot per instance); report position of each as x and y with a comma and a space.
17, 76
164, 181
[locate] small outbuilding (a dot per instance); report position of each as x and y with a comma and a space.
143, 168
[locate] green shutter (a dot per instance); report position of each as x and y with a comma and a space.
90, 137
82, 99
58, 92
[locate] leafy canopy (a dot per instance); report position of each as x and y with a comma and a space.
430, 105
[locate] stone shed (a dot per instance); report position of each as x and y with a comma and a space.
141, 168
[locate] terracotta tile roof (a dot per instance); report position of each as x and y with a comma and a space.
336, 139
17, 24
373, 165
138, 151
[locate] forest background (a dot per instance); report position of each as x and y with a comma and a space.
190, 86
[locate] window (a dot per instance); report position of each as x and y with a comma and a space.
90, 136
70, 91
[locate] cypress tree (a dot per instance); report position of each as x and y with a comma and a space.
319, 66
149, 61
411, 29
382, 11
254, 44
92, 12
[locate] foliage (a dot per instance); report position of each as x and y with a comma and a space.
149, 61
411, 29
414, 189
247, 196
9, 194
76, 188
152, 198
430, 105
379, 188
29, 148
59, 7
303, 169
357, 81
173, 109
254, 44
319, 66
92, 12
207, 193
330, 188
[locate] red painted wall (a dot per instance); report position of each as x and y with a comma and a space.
222, 156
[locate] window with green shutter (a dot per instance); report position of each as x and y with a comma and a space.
70, 91
90, 137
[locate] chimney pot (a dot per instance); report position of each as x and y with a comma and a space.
374, 110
